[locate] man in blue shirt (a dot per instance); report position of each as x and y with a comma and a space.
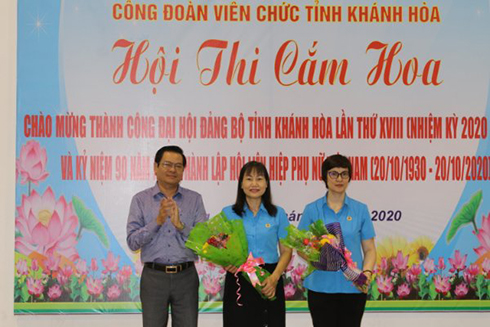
160, 220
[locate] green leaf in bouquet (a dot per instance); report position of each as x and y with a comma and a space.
465, 216
89, 221
295, 240
318, 228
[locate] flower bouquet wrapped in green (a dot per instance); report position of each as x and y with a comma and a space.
220, 241
224, 242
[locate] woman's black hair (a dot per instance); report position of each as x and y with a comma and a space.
335, 161
241, 199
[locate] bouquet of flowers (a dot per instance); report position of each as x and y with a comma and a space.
324, 248
224, 242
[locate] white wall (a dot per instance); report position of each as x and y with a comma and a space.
8, 14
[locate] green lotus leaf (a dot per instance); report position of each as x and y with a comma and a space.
465, 216
374, 292
89, 221
432, 291
84, 293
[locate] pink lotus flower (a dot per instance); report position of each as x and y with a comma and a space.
483, 236
470, 273
201, 268
54, 292
385, 286
34, 265
81, 268
35, 286
442, 284
221, 270
297, 273
458, 263
461, 290
32, 163
47, 225
212, 286
93, 265
22, 269
400, 263
124, 274
94, 286
413, 273
113, 292
52, 263
403, 290
299, 269
289, 291
486, 266
429, 266
111, 264
64, 274
441, 265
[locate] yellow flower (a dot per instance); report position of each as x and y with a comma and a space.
388, 248
420, 249
324, 240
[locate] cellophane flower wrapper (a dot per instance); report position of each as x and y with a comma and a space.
296, 240
262, 274
335, 256
332, 254
235, 250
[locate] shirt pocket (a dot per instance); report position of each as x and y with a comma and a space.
270, 227
351, 227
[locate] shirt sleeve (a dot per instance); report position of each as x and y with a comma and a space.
307, 218
139, 233
367, 228
283, 223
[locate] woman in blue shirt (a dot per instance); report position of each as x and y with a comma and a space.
265, 224
332, 299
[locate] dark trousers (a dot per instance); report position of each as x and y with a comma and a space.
255, 311
161, 291
336, 309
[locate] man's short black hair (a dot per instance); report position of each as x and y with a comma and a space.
170, 148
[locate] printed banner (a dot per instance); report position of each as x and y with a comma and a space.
400, 87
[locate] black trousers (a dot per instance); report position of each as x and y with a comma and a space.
336, 309
255, 311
